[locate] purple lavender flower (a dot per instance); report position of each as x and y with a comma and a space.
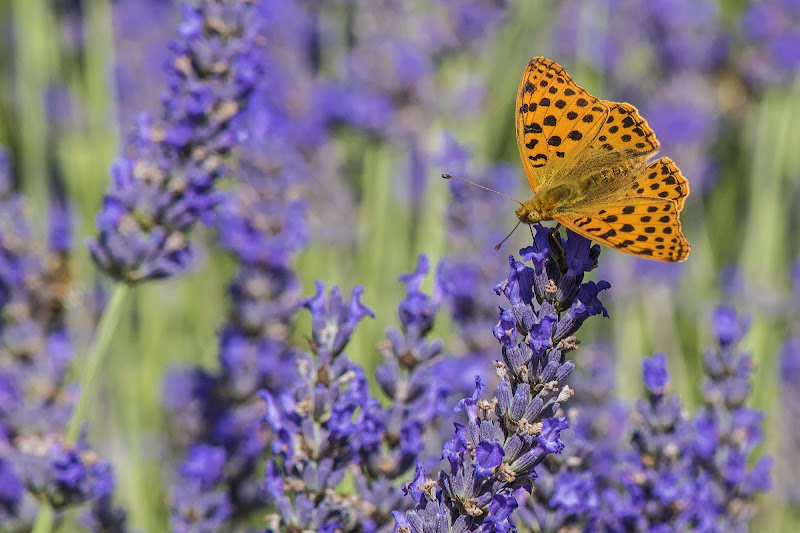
64, 476
166, 184
11, 491
683, 472
350, 430
772, 32
655, 487
568, 492
727, 433
404, 431
789, 372
218, 414
35, 350
198, 507
313, 425
665, 470
496, 453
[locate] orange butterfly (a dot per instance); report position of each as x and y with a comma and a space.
586, 162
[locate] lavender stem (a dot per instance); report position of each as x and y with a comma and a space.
94, 358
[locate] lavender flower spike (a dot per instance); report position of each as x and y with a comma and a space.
39, 467
313, 424
506, 438
692, 474
727, 433
165, 184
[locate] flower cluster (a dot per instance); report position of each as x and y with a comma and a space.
217, 414
507, 438
313, 422
567, 494
727, 433
772, 32
262, 224
35, 396
654, 488
404, 430
695, 472
166, 184
665, 470
328, 423
789, 372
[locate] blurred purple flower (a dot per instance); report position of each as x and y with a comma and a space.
654, 484
772, 34
728, 432
728, 327
218, 414
142, 29
692, 473
11, 491
654, 372
789, 372
568, 491
35, 350
166, 184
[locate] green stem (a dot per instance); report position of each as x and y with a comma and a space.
45, 518
33, 63
105, 329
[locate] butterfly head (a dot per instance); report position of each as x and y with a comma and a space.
528, 214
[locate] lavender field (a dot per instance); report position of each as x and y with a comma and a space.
236, 294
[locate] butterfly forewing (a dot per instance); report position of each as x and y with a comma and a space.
556, 121
625, 134
662, 179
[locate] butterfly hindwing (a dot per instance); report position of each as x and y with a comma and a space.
645, 227
556, 121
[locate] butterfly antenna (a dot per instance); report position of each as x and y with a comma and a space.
507, 236
449, 177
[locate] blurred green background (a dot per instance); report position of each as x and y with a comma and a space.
742, 222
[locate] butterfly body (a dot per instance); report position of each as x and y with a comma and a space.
586, 161
545, 204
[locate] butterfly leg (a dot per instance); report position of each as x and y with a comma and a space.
555, 242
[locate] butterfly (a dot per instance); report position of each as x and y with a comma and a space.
586, 161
